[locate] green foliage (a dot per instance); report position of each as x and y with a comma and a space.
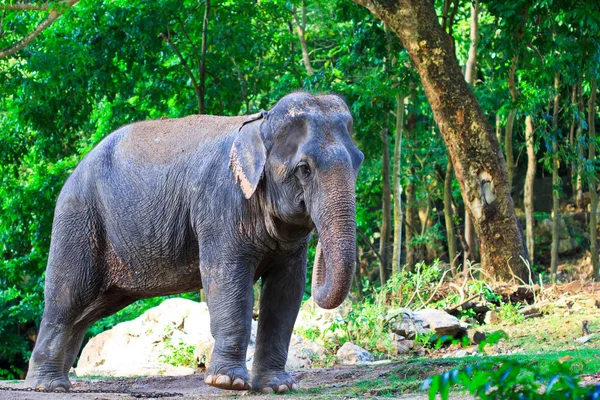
513, 379
508, 312
177, 353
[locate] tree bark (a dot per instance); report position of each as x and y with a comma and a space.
528, 192
579, 179
573, 169
384, 240
448, 215
510, 120
593, 181
555, 181
470, 73
301, 32
397, 253
471, 69
411, 198
480, 168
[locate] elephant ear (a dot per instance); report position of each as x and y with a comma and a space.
248, 154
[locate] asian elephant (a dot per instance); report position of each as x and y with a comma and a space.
174, 205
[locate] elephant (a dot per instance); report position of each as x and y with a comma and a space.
175, 205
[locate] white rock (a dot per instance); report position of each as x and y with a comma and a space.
138, 347
439, 321
351, 354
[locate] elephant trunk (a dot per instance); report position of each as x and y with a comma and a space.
334, 264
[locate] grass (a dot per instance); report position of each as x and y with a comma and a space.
540, 342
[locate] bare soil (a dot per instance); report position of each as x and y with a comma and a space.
324, 382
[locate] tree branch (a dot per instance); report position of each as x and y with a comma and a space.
167, 39
53, 16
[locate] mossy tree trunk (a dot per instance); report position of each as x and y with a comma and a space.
593, 181
478, 163
528, 190
397, 253
555, 181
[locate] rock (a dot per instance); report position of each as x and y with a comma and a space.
178, 326
491, 318
403, 322
476, 336
351, 354
583, 339
303, 352
439, 321
568, 245
460, 353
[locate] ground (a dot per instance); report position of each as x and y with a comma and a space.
543, 340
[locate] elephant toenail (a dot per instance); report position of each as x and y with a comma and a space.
294, 386
208, 379
238, 384
267, 390
223, 380
282, 389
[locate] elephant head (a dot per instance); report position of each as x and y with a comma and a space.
303, 151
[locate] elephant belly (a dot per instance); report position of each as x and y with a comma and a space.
144, 273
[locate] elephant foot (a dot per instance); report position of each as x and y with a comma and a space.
49, 383
228, 378
273, 382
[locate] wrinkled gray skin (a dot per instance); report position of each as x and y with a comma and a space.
171, 206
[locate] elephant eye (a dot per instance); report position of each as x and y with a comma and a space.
303, 170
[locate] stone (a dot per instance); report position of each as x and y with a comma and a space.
491, 318
439, 321
476, 336
583, 339
568, 245
460, 354
303, 352
351, 354
403, 322
142, 347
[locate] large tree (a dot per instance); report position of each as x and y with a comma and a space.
480, 167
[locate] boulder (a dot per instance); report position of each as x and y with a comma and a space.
146, 345
351, 354
408, 324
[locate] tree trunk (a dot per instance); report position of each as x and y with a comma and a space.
480, 169
448, 216
510, 120
470, 72
592, 181
498, 128
573, 170
471, 69
202, 83
411, 198
555, 181
386, 221
528, 192
301, 31
397, 254
579, 180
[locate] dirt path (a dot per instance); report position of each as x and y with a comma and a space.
313, 383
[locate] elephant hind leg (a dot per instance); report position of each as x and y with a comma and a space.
106, 305
73, 282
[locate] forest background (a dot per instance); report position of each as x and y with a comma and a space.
69, 80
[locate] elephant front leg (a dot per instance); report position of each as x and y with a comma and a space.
282, 291
229, 296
